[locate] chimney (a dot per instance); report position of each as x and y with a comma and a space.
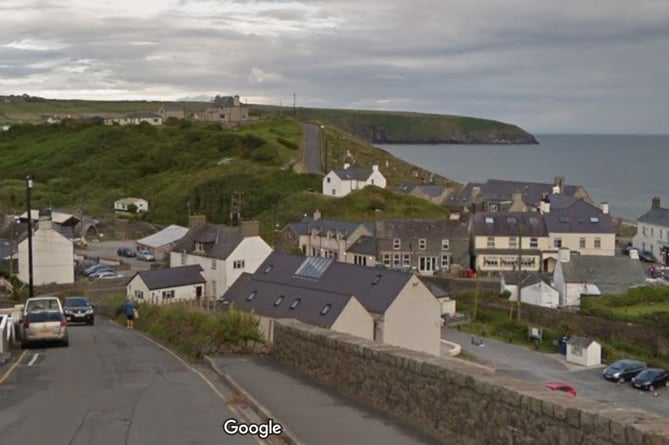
375, 167
250, 228
564, 255
346, 165
317, 215
517, 197
476, 191
559, 182
544, 206
195, 220
656, 203
44, 222
605, 208
235, 101
556, 189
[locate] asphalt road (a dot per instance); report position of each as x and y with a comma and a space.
110, 387
312, 149
524, 363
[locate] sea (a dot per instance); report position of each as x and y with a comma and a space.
626, 171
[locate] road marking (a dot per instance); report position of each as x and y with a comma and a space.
32, 362
9, 371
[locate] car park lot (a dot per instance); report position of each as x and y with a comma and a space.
526, 364
109, 250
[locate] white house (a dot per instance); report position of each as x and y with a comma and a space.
52, 252
535, 289
223, 252
583, 351
653, 232
136, 118
163, 286
341, 182
403, 310
161, 243
122, 205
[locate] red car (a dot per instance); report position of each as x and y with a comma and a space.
560, 386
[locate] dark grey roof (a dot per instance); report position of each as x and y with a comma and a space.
172, 277
433, 190
364, 245
558, 201
307, 310
658, 217
611, 274
579, 217
357, 173
412, 228
529, 224
436, 290
375, 288
582, 342
322, 226
503, 190
219, 240
5, 248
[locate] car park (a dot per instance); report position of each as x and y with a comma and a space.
95, 268
101, 271
79, 310
108, 275
44, 326
126, 252
145, 255
623, 370
650, 379
560, 386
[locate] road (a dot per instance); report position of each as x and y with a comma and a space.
312, 149
524, 363
108, 250
109, 387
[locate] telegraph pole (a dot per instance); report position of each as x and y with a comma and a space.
29, 187
520, 267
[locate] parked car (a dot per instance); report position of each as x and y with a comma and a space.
108, 275
623, 370
651, 379
84, 264
39, 326
145, 255
626, 249
42, 303
560, 386
103, 270
95, 268
126, 252
647, 257
79, 310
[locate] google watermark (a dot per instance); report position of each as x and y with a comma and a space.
234, 427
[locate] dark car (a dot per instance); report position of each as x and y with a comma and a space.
647, 257
623, 370
626, 249
126, 252
651, 378
79, 310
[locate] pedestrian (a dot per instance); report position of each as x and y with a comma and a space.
130, 312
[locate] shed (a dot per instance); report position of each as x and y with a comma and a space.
160, 244
584, 351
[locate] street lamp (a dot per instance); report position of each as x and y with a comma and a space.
29, 187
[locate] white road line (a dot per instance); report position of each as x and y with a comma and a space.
32, 362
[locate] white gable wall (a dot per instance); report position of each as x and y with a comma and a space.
213, 270
538, 294
138, 291
355, 320
377, 179
253, 250
53, 258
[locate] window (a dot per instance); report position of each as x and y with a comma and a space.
422, 244
168, 294
445, 244
326, 309
386, 259
581, 243
564, 219
295, 302
533, 220
489, 220
360, 260
199, 247
557, 243
397, 258
643, 230
406, 260
511, 219
397, 243
427, 263
139, 294
251, 296
598, 243
213, 264
238, 264
652, 232
334, 192
278, 300
491, 241
445, 261
513, 242
213, 287
327, 180
492, 207
534, 242
372, 182
490, 261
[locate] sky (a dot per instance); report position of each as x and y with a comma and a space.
568, 66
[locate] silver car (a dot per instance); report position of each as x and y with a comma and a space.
44, 326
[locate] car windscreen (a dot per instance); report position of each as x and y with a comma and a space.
648, 374
77, 302
43, 305
44, 316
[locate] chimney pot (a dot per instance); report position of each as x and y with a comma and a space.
346, 165
605, 208
317, 215
655, 203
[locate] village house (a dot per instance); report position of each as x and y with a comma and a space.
653, 232
160, 244
135, 205
52, 252
62, 221
404, 312
425, 246
164, 286
586, 275
136, 118
174, 110
223, 252
342, 181
363, 251
225, 109
535, 288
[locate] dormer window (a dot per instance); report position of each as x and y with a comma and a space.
295, 302
268, 268
251, 296
397, 243
199, 247
422, 243
278, 300
445, 244
377, 278
326, 309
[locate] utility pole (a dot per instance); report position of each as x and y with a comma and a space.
520, 268
29, 187
476, 293
235, 207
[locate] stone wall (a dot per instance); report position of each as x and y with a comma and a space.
459, 403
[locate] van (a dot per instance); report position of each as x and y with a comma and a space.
42, 303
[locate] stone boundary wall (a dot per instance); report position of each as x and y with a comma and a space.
459, 403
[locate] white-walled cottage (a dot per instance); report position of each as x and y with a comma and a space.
163, 286
535, 289
123, 205
653, 232
342, 181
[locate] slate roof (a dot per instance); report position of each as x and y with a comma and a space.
528, 224
658, 217
354, 173
168, 235
128, 201
340, 278
579, 217
412, 228
307, 310
611, 274
582, 342
5, 249
172, 277
502, 189
305, 226
364, 245
219, 240
433, 190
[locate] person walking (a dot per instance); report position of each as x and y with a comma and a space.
130, 312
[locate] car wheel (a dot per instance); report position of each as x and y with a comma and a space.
621, 380
651, 388
24, 345
91, 322
66, 343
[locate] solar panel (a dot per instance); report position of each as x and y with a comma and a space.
489, 220
313, 267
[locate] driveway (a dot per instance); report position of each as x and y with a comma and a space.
526, 364
312, 149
